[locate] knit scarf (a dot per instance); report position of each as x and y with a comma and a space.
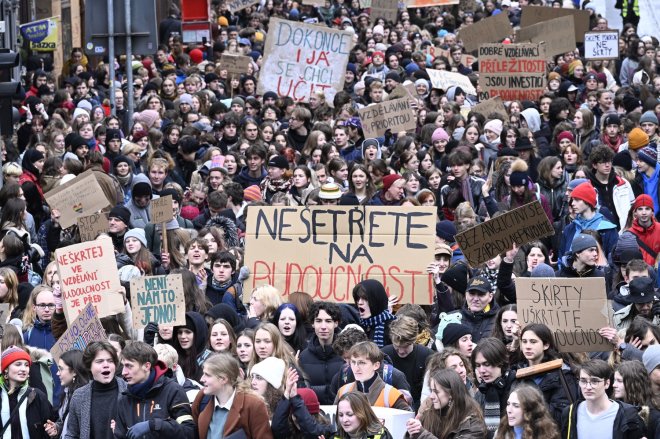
613, 144
21, 413
378, 323
492, 408
125, 179
466, 190
491, 275
279, 185
220, 285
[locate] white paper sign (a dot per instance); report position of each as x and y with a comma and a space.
601, 45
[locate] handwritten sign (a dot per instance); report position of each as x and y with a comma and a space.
490, 107
235, 65
443, 79
161, 210
488, 239
601, 45
395, 115
300, 59
91, 226
574, 309
238, 5
88, 274
489, 30
158, 299
536, 14
387, 9
79, 197
85, 329
556, 34
326, 250
512, 71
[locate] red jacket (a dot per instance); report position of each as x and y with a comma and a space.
29, 176
649, 236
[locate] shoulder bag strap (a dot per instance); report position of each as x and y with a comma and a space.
13, 412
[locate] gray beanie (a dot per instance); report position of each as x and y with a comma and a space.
543, 270
648, 116
583, 242
137, 234
651, 358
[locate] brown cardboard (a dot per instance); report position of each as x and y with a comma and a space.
428, 3
235, 65
536, 14
301, 58
557, 34
601, 45
161, 210
573, 308
90, 226
387, 9
88, 274
492, 105
84, 329
488, 30
78, 197
326, 250
443, 79
495, 236
512, 71
238, 5
395, 115
158, 299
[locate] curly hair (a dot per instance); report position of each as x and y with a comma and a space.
635, 382
537, 421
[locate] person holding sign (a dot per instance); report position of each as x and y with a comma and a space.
480, 311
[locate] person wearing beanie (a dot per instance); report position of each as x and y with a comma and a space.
614, 192
392, 79
147, 379
119, 219
491, 140
242, 413
452, 333
584, 206
645, 227
140, 204
137, 249
123, 168
148, 118
611, 136
647, 176
479, 311
649, 124
33, 165
651, 360
582, 259
392, 192
637, 139
521, 193
278, 179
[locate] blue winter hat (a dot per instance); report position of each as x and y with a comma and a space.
575, 183
543, 270
582, 242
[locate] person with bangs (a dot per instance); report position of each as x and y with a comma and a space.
288, 320
526, 416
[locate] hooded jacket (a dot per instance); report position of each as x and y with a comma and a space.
165, 405
140, 216
607, 231
246, 180
539, 129
617, 195
195, 322
627, 423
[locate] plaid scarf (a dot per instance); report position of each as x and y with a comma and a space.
378, 323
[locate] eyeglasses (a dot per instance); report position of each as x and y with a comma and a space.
45, 305
593, 382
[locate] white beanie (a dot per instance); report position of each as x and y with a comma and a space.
271, 369
78, 111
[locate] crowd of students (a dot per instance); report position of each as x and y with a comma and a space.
253, 363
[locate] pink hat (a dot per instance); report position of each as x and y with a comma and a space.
252, 193
439, 134
147, 117
565, 135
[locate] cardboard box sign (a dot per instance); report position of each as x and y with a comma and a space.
393, 419
488, 30
536, 14
89, 227
601, 45
235, 64
488, 239
557, 34
326, 250
85, 329
238, 5
81, 196
300, 59
573, 308
490, 106
395, 115
387, 9
161, 210
158, 299
427, 3
512, 71
443, 80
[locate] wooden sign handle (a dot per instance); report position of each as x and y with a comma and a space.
539, 368
163, 247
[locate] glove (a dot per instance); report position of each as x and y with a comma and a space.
138, 430
656, 308
57, 296
150, 332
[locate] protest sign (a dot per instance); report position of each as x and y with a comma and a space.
43, 34
235, 65
393, 419
85, 329
536, 14
443, 79
158, 299
91, 226
395, 115
488, 30
520, 226
300, 59
161, 210
601, 45
387, 9
326, 250
364, 4
88, 274
79, 197
238, 5
512, 71
490, 106
427, 3
557, 34
573, 308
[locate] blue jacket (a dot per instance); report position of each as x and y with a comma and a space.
607, 231
41, 336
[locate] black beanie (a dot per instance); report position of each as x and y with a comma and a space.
122, 159
456, 277
142, 189
121, 213
73, 141
453, 332
175, 194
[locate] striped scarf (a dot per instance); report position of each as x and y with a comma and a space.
492, 409
378, 323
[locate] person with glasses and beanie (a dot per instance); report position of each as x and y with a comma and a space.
598, 416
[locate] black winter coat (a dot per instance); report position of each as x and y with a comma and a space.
320, 365
309, 427
481, 323
627, 423
38, 411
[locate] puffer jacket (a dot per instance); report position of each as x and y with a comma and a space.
481, 323
554, 192
649, 236
320, 365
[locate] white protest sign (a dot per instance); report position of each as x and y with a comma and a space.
601, 45
443, 80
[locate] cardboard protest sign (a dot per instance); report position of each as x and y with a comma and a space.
91, 226
326, 250
158, 299
238, 5
427, 3
443, 79
573, 308
488, 30
512, 71
387, 9
300, 59
79, 197
84, 329
536, 14
488, 239
557, 34
490, 106
601, 45
88, 274
161, 210
364, 4
395, 115
235, 65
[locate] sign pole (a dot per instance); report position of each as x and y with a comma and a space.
111, 54
129, 60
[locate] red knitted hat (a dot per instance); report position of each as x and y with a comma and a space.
252, 193
14, 353
643, 200
196, 56
389, 179
565, 135
310, 399
585, 192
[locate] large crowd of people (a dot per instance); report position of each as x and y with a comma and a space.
254, 363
